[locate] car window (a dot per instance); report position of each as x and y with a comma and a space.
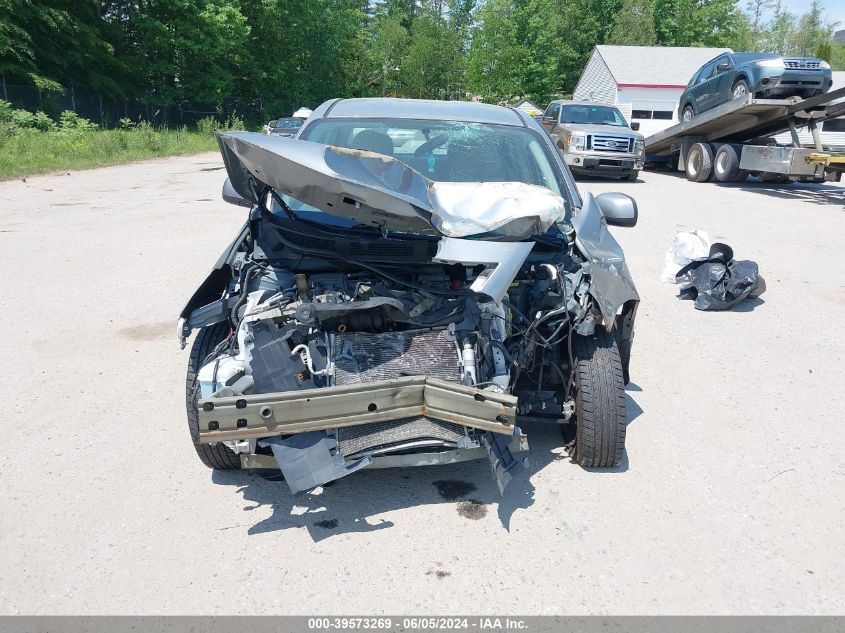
595, 114
446, 151
707, 72
694, 79
552, 111
720, 60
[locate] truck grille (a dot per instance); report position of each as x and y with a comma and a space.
605, 143
361, 357
802, 64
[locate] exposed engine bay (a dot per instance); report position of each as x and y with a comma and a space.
335, 324
327, 349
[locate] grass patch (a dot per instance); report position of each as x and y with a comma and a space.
35, 152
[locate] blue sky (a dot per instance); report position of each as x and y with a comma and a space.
834, 9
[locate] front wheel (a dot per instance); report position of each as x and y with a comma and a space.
740, 89
600, 413
631, 176
687, 114
217, 456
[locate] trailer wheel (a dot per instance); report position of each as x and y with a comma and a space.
726, 165
699, 162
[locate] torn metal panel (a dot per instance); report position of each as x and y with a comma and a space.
502, 462
308, 460
515, 209
266, 414
611, 284
380, 190
506, 257
518, 444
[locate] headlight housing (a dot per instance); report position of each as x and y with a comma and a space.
770, 63
639, 146
823, 64
578, 141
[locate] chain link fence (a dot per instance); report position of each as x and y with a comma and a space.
108, 111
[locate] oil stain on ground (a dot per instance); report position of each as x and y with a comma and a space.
451, 489
440, 573
472, 509
326, 524
147, 331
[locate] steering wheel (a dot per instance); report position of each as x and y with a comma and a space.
430, 145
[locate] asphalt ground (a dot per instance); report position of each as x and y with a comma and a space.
729, 499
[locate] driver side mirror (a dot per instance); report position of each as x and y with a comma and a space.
635, 125
233, 197
618, 209
723, 67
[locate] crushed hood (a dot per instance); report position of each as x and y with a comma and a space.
378, 190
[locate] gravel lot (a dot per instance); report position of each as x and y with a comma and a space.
729, 501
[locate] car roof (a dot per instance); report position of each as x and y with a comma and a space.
390, 108
748, 57
583, 103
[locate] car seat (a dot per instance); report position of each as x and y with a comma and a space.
373, 141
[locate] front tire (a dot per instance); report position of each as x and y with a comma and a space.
217, 456
740, 89
600, 412
631, 176
687, 114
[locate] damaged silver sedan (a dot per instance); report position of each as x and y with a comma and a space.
415, 283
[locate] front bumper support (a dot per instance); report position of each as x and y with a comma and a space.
269, 414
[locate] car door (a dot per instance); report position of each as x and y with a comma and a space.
720, 89
701, 93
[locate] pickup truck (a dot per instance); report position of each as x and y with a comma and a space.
595, 138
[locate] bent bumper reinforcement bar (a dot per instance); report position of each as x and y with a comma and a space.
262, 415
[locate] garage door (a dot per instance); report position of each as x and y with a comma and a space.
653, 116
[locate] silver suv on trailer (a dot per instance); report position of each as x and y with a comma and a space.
595, 138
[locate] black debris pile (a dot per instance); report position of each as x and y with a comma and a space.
718, 281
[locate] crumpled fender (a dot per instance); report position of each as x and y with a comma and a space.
611, 284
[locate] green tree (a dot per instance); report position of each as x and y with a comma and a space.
696, 22
58, 42
813, 30
756, 11
432, 66
635, 24
498, 57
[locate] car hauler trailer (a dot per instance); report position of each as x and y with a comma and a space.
734, 140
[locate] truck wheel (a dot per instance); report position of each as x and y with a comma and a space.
687, 114
699, 162
740, 89
217, 456
631, 176
600, 413
726, 165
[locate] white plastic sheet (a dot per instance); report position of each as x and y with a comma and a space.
685, 248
